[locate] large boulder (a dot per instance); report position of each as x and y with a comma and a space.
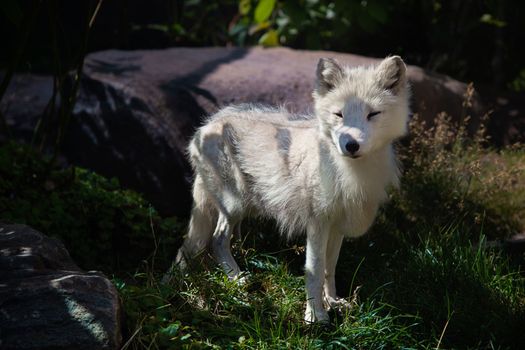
137, 109
47, 302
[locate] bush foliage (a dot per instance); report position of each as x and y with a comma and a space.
439, 35
420, 31
102, 225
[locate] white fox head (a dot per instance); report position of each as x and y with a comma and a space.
362, 109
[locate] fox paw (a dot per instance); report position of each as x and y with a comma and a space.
338, 304
240, 278
311, 316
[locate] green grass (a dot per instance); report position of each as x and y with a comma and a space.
210, 311
408, 293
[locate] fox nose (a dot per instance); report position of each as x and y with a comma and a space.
352, 147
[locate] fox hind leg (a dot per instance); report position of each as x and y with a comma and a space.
221, 246
200, 230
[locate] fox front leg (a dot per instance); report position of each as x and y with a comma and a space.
332, 254
316, 243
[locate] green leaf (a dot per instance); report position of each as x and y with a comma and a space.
258, 27
489, 19
170, 330
270, 38
263, 10
245, 7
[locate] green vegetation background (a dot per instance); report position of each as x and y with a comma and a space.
471, 40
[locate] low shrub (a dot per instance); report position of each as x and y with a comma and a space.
102, 225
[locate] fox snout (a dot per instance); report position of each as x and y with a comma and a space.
349, 145
352, 147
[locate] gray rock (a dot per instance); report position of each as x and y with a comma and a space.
137, 109
47, 302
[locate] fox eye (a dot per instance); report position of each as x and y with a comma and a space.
371, 115
339, 114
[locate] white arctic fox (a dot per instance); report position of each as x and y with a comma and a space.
324, 174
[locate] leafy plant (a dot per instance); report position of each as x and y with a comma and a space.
313, 24
460, 179
419, 31
102, 226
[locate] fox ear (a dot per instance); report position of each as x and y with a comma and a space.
329, 73
391, 74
